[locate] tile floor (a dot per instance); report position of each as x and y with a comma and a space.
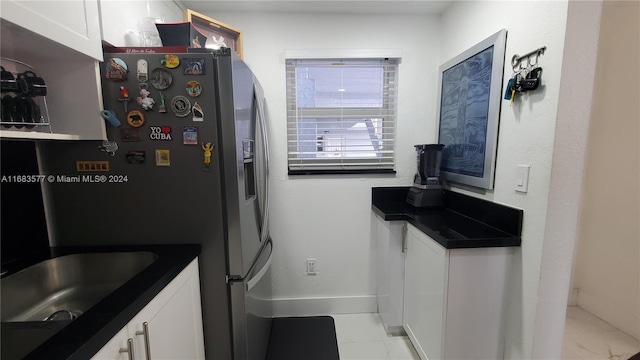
588, 337
362, 336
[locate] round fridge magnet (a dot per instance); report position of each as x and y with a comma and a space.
116, 69
135, 118
181, 106
193, 88
161, 78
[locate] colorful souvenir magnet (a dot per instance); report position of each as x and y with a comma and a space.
144, 99
181, 106
193, 66
207, 148
136, 157
110, 116
193, 88
198, 114
130, 135
116, 69
161, 78
160, 133
170, 61
190, 135
110, 147
135, 118
142, 70
162, 108
124, 97
163, 157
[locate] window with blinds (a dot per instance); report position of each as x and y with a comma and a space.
341, 116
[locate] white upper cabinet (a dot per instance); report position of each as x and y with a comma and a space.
60, 42
120, 18
72, 23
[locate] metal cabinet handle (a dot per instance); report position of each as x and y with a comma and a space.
147, 343
404, 237
128, 349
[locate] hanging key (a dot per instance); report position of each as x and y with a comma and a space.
533, 80
508, 92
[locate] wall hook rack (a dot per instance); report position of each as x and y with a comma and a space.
517, 63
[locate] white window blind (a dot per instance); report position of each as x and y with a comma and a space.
341, 115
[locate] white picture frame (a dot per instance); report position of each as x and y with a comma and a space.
468, 110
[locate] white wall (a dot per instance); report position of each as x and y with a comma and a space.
607, 275
327, 217
526, 136
120, 18
536, 131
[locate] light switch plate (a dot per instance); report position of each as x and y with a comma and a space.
522, 178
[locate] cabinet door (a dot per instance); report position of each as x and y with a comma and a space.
72, 23
425, 275
388, 236
111, 350
174, 321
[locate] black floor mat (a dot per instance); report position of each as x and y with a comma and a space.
308, 338
635, 357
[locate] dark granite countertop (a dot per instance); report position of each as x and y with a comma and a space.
463, 221
86, 335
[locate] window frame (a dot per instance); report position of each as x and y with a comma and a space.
384, 163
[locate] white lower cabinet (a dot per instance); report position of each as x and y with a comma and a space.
169, 327
454, 299
112, 350
388, 236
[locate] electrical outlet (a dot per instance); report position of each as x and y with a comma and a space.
312, 266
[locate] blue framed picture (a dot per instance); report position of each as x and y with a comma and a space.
469, 112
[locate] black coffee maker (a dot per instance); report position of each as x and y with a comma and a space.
427, 186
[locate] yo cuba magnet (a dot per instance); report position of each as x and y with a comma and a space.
116, 69
170, 61
194, 89
190, 135
193, 66
160, 133
181, 106
135, 118
163, 157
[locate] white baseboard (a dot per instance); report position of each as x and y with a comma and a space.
604, 308
324, 305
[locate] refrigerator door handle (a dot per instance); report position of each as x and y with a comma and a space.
258, 276
265, 150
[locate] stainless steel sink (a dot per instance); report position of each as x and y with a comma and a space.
65, 287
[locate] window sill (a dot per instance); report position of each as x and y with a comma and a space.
341, 172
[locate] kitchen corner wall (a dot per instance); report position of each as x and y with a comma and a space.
328, 217
547, 130
526, 137
607, 273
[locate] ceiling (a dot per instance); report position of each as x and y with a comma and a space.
321, 6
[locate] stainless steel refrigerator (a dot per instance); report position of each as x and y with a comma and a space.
165, 185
